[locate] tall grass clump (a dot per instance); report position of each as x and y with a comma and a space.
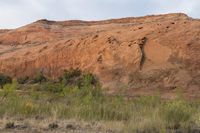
177, 113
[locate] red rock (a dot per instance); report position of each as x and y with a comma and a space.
162, 55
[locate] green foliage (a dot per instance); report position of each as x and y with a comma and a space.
51, 87
71, 77
23, 80
9, 89
39, 78
89, 79
145, 114
71, 73
177, 112
74, 77
4, 79
79, 96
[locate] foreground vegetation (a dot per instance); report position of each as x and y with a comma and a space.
79, 96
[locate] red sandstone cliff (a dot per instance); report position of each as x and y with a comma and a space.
141, 55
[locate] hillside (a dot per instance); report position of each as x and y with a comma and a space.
140, 56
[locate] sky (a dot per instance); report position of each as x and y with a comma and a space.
16, 13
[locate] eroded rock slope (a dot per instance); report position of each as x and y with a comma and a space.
137, 55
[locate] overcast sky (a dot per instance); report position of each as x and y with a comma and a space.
16, 13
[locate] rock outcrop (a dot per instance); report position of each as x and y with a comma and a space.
137, 55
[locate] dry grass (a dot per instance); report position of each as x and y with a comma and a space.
54, 102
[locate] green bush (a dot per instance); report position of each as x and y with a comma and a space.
71, 77
74, 77
9, 89
39, 78
89, 79
23, 80
51, 87
4, 79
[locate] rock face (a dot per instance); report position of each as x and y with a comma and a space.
139, 55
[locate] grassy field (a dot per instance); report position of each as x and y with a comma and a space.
87, 102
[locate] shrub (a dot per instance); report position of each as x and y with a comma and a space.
23, 80
39, 78
51, 87
71, 77
9, 89
74, 77
4, 79
89, 79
